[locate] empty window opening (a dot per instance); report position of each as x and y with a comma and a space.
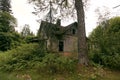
73, 31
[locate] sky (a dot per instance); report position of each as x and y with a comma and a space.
22, 11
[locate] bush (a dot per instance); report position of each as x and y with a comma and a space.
9, 41
53, 63
31, 56
104, 44
20, 58
112, 61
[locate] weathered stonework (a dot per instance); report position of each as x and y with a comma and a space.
68, 42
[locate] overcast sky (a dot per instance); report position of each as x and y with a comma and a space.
23, 12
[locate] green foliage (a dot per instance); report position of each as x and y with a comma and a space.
26, 31
17, 59
7, 76
53, 63
104, 44
31, 56
27, 35
5, 5
30, 39
8, 37
5, 41
7, 22
9, 40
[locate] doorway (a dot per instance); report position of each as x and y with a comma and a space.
61, 46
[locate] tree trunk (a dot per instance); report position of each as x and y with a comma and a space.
82, 43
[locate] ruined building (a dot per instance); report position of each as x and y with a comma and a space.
59, 38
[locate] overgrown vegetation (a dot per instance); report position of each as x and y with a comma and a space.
30, 61
24, 56
30, 56
105, 44
9, 38
9, 41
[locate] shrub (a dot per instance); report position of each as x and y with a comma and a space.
104, 44
19, 58
113, 61
53, 63
31, 56
9, 41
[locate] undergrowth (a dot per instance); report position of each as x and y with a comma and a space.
30, 56
30, 60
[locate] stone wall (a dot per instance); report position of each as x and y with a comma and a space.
70, 44
54, 47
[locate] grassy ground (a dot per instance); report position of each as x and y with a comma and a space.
20, 64
83, 73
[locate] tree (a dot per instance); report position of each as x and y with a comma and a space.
82, 44
7, 22
5, 41
26, 31
64, 8
27, 35
5, 6
8, 36
116, 6
7, 32
105, 44
9, 40
103, 16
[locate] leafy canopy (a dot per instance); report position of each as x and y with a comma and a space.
105, 43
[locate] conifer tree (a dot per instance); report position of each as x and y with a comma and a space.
5, 6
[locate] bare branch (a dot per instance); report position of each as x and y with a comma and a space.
116, 6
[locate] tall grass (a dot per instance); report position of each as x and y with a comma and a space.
31, 60
20, 57
31, 56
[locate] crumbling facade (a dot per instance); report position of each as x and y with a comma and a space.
63, 38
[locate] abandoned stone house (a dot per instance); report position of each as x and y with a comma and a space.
62, 38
